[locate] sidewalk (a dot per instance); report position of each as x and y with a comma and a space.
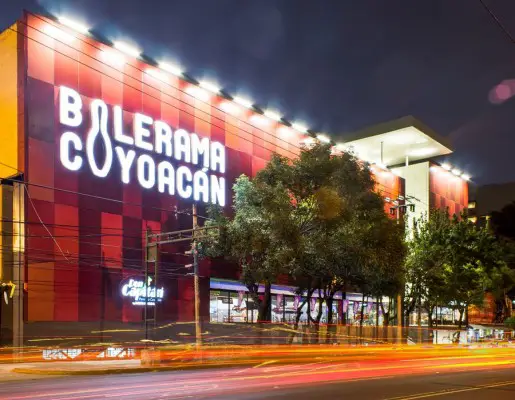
108, 367
77, 367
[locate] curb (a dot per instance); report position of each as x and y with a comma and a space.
114, 371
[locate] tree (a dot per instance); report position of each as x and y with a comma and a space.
259, 237
385, 274
475, 264
453, 262
425, 263
315, 219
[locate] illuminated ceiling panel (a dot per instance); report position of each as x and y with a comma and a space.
405, 137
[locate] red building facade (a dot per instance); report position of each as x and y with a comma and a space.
84, 233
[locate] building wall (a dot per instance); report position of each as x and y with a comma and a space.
84, 234
432, 187
88, 246
417, 188
9, 102
388, 185
447, 191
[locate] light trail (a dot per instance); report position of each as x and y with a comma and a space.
262, 376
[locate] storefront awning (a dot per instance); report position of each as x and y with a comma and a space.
222, 284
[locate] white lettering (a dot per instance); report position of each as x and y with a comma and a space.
163, 134
218, 157
70, 106
125, 290
118, 127
141, 132
201, 186
199, 147
142, 293
149, 181
126, 161
100, 146
165, 177
182, 145
218, 190
184, 173
66, 139
99, 126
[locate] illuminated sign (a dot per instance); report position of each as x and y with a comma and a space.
142, 294
136, 151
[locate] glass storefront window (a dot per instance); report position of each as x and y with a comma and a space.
252, 310
232, 306
238, 307
290, 311
278, 308
219, 304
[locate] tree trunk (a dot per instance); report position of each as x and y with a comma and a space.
409, 309
377, 318
430, 321
460, 322
297, 319
329, 302
361, 318
299, 313
264, 306
318, 317
344, 297
362, 311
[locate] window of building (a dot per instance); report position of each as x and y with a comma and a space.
219, 306
472, 205
232, 306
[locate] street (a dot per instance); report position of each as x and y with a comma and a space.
476, 377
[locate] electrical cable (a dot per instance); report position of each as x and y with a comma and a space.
42, 223
497, 21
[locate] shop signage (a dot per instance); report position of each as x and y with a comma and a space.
142, 294
188, 166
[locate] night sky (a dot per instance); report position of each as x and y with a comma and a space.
338, 65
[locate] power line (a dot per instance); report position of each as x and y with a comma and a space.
73, 258
76, 227
100, 197
42, 223
497, 21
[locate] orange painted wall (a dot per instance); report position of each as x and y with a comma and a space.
9, 102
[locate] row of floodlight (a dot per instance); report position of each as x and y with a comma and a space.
204, 84
455, 171
215, 89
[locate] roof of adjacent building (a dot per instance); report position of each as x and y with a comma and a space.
398, 139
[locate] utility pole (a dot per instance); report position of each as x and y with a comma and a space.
198, 329
193, 235
151, 256
400, 205
145, 310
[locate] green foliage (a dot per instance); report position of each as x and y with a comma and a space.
453, 262
316, 219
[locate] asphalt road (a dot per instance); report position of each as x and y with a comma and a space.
271, 383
